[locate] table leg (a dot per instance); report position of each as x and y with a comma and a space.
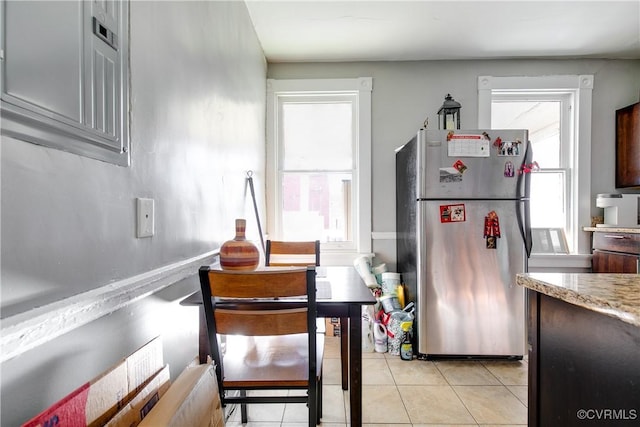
344, 351
355, 364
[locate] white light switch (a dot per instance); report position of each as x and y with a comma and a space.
145, 223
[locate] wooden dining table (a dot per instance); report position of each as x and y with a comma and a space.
341, 293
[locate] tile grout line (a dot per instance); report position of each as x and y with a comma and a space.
395, 383
507, 385
456, 393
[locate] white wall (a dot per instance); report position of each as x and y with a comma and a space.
405, 93
198, 79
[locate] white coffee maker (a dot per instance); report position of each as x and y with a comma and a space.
620, 210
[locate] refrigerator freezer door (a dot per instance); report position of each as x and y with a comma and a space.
447, 169
468, 301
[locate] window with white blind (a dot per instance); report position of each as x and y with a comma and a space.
547, 117
556, 110
319, 151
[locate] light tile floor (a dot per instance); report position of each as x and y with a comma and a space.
398, 393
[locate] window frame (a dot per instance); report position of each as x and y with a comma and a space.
332, 253
579, 88
566, 100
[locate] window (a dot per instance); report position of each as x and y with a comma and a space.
547, 117
319, 155
65, 76
557, 112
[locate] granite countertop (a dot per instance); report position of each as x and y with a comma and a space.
613, 229
615, 295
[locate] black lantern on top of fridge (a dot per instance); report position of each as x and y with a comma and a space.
449, 114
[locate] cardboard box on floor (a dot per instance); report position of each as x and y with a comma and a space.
192, 400
332, 327
142, 403
95, 402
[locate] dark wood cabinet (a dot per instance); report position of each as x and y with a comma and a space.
628, 146
615, 252
611, 262
584, 367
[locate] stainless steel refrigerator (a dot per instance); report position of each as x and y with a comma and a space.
463, 233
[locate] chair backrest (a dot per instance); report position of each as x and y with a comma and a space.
280, 253
252, 302
258, 302
268, 319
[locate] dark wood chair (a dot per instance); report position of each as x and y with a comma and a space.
268, 320
292, 253
284, 253
288, 253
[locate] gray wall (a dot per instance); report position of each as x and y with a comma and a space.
68, 222
405, 93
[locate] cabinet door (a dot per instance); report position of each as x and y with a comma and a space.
628, 146
617, 242
102, 97
613, 262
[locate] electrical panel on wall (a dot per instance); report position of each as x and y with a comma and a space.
74, 96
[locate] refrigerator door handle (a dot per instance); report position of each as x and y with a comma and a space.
524, 224
524, 182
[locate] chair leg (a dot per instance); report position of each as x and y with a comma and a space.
319, 396
312, 404
243, 408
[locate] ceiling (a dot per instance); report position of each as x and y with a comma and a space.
370, 30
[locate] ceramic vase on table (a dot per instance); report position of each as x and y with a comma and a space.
239, 253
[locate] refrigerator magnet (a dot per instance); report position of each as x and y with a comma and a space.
460, 166
509, 170
509, 148
528, 168
450, 175
452, 213
491, 230
468, 145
